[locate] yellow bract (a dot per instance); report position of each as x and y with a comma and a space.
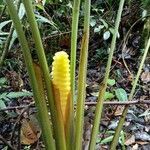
61, 78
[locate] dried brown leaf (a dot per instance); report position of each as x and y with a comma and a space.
30, 131
145, 77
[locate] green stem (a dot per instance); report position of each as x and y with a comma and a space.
40, 103
75, 20
122, 119
82, 78
56, 118
102, 90
74, 33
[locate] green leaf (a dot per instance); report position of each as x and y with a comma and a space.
104, 23
21, 12
121, 94
106, 35
112, 30
93, 22
95, 94
3, 96
5, 148
3, 81
2, 104
45, 20
7, 96
40, 6
111, 82
122, 138
106, 140
18, 94
2, 25
108, 95
14, 37
69, 5
98, 29
146, 113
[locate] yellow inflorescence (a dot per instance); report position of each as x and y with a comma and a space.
61, 78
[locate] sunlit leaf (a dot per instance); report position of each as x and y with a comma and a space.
3, 24
7, 96
98, 29
3, 81
121, 94
18, 94
2, 104
45, 20
104, 23
108, 95
111, 82
21, 12
106, 35
14, 36
92, 22
106, 140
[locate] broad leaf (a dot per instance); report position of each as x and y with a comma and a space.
108, 96
106, 35
111, 82
92, 22
7, 96
121, 94
2, 104
106, 140
2, 81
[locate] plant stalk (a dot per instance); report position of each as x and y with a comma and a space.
82, 78
56, 118
74, 36
40, 103
122, 119
103, 86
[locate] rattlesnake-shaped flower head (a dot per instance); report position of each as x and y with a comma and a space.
61, 79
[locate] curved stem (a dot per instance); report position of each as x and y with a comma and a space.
122, 119
40, 103
103, 86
